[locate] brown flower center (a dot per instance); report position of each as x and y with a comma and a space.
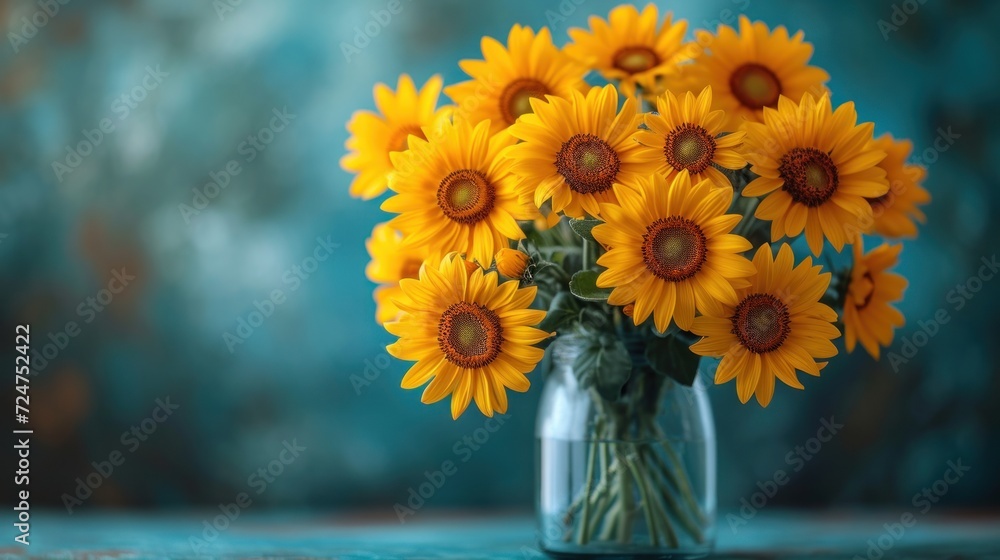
470, 335
674, 248
635, 59
868, 289
755, 86
588, 164
690, 147
398, 140
515, 100
810, 175
466, 196
761, 322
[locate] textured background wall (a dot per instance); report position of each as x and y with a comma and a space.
201, 82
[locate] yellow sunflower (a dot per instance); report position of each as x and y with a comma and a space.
630, 47
896, 211
456, 193
390, 263
869, 317
470, 337
574, 149
503, 84
375, 135
750, 70
817, 168
683, 135
671, 250
777, 327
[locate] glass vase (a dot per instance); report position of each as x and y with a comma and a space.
632, 477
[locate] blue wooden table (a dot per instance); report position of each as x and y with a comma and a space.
470, 536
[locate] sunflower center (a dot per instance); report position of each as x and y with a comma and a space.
466, 196
470, 335
635, 59
881, 203
398, 141
588, 164
690, 147
810, 175
866, 290
755, 86
761, 322
515, 100
674, 248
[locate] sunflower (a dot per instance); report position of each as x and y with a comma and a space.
751, 70
671, 250
512, 263
469, 336
816, 167
629, 46
778, 326
683, 135
895, 211
869, 317
456, 194
390, 263
574, 149
375, 135
503, 84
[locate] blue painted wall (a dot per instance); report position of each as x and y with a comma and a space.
199, 79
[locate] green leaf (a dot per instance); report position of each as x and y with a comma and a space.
583, 228
563, 310
604, 365
671, 356
584, 286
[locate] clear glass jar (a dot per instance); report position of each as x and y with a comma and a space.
630, 478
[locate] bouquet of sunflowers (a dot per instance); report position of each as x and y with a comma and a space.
656, 217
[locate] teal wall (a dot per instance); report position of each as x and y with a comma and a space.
208, 80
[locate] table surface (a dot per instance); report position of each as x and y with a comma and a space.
472, 536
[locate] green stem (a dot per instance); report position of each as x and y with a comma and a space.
659, 510
611, 521
625, 493
647, 503
584, 536
666, 493
684, 483
676, 473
